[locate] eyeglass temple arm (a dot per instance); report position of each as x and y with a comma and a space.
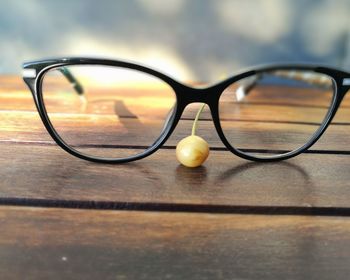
245, 88
70, 77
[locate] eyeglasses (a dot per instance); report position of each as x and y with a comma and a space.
114, 111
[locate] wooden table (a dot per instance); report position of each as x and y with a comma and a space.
65, 218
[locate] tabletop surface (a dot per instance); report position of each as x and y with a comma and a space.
65, 218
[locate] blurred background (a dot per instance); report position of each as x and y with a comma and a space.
197, 40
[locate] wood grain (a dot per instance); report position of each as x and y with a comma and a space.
250, 126
27, 127
47, 172
34, 167
41, 243
229, 219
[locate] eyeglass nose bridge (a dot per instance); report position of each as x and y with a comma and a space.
188, 95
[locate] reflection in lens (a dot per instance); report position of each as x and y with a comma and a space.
107, 112
275, 112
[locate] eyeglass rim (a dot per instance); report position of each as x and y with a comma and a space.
287, 154
184, 95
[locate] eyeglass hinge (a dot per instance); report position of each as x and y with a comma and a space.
29, 73
346, 82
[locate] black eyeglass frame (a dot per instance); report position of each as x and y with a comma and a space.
185, 95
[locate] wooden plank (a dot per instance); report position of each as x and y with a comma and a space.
71, 103
13, 87
27, 127
93, 244
250, 126
39, 163
47, 172
41, 243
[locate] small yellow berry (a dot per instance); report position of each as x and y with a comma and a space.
192, 151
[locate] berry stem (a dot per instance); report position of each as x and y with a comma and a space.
194, 126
